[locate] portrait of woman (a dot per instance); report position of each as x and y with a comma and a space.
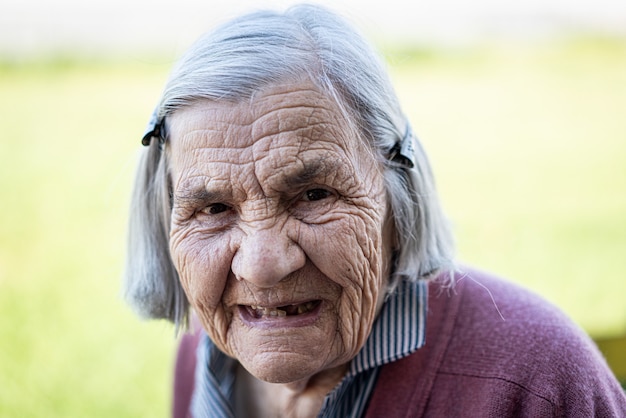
285, 219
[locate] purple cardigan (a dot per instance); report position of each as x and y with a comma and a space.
492, 349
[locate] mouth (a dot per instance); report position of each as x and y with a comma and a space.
261, 312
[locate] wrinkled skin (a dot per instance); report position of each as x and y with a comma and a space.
277, 203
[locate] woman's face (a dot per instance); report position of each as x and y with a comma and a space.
277, 229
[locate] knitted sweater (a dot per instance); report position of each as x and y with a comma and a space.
492, 349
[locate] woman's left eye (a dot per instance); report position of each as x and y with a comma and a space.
215, 209
316, 194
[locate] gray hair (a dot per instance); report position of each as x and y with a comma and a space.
232, 63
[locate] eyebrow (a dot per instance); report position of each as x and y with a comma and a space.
198, 197
312, 170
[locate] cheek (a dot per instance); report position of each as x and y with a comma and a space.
349, 249
349, 252
203, 266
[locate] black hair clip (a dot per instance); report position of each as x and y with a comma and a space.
403, 152
154, 129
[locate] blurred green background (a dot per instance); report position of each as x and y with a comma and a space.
527, 141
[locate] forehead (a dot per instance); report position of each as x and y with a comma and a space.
283, 124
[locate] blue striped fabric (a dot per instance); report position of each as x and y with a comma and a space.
214, 382
398, 331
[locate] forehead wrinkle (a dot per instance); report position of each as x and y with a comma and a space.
297, 119
210, 124
215, 138
211, 158
284, 139
295, 92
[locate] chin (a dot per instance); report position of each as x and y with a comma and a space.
281, 376
281, 370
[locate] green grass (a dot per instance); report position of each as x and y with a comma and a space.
528, 144
69, 346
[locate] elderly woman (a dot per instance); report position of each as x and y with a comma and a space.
284, 208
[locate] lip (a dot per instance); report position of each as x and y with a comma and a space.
301, 320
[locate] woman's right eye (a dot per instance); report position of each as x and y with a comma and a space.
215, 209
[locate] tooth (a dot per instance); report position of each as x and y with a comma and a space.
260, 311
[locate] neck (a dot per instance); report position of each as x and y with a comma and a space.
299, 399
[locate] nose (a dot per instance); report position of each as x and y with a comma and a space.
266, 256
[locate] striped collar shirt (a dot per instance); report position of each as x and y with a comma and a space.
398, 331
